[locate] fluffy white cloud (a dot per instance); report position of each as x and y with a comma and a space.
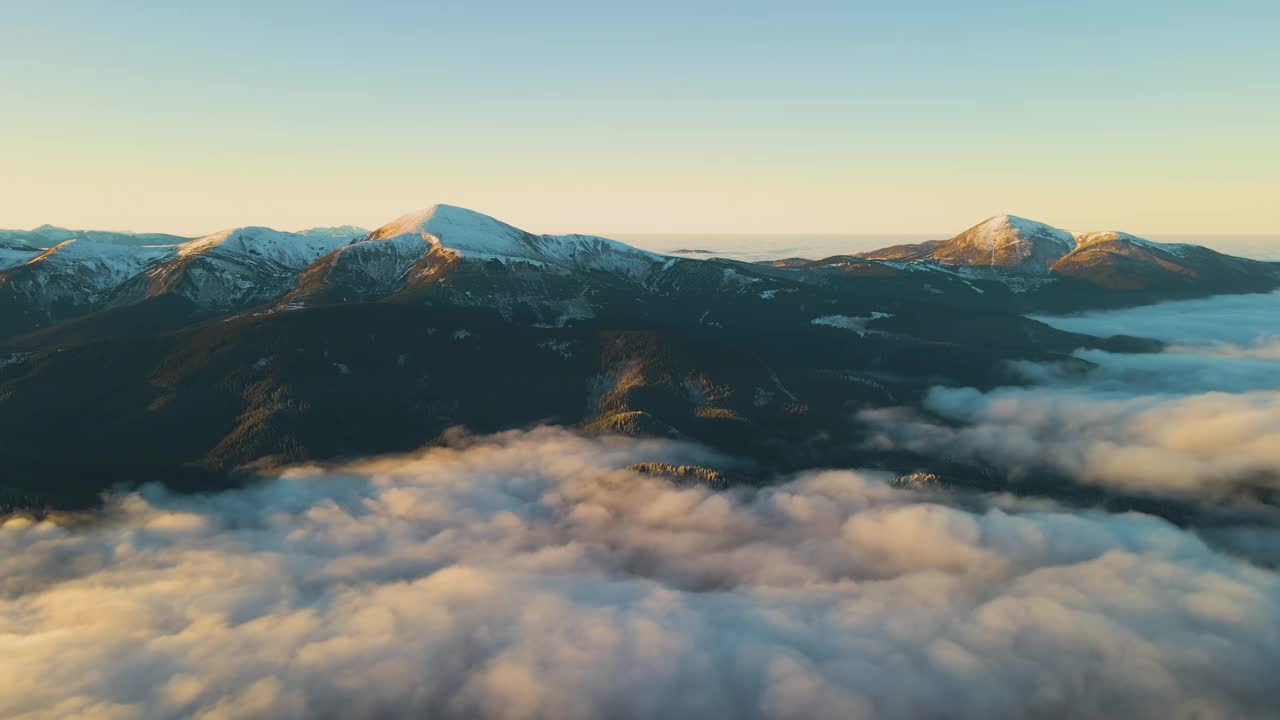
1213, 445
526, 575
1200, 419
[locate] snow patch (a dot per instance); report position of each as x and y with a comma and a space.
847, 322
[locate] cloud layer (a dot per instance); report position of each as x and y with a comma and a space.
1239, 319
527, 575
1201, 419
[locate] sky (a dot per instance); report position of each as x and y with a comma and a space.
1158, 118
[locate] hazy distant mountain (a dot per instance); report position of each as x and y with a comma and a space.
339, 232
46, 236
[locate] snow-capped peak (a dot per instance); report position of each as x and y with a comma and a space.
288, 249
472, 235
453, 227
1004, 229
1006, 241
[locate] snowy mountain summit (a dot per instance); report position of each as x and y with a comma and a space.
1004, 241
477, 258
292, 250
467, 234
1012, 243
1008, 241
451, 256
1009, 249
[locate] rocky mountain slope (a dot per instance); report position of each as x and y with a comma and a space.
195, 407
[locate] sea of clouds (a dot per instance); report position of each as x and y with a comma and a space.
532, 575
1201, 419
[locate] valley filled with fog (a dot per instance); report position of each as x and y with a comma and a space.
536, 573
1201, 418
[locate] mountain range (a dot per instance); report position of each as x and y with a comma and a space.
197, 361
444, 253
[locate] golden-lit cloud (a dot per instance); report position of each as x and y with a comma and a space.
1200, 419
528, 575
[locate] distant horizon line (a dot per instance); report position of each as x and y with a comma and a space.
938, 234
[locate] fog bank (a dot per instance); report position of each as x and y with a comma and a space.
1201, 419
527, 575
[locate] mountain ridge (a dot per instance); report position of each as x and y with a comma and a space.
253, 347
46, 236
451, 255
1007, 240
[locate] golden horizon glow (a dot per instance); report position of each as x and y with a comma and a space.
610, 120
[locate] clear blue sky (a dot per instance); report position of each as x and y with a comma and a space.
1154, 117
